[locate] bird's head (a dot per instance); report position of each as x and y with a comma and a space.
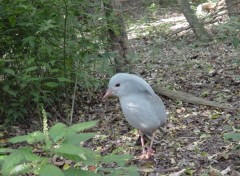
123, 84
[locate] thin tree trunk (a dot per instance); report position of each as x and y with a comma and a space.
117, 33
198, 29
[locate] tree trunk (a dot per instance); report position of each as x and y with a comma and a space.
196, 26
233, 7
117, 33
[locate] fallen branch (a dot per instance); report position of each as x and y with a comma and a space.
158, 170
189, 98
178, 173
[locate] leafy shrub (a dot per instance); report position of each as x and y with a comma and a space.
44, 47
61, 141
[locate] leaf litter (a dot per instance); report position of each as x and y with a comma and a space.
193, 143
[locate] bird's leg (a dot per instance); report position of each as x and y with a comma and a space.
145, 154
150, 151
152, 139
142, 142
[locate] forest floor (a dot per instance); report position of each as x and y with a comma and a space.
194, 138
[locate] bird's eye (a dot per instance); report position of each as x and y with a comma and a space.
117, 85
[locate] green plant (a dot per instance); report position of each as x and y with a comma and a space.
233, 137
44, 47
62, 142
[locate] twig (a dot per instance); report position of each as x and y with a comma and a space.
58, 114
146, 170
158, 170
65, 36
183, 137
73, 100
171, 169
178, 173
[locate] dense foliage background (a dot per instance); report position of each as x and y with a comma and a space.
45, 47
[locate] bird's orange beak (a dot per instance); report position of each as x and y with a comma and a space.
108, 93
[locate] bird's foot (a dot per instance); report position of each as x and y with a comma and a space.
150, 150
146, 154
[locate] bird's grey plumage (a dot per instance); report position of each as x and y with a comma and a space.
142, 108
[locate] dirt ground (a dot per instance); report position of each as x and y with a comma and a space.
194, 138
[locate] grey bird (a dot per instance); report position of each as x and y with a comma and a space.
142, 108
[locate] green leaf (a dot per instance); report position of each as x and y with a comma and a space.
52, 84
235, 42
205, 93
87, 156
75, 139
30, 40
114, 172
71, 150
29, 156
5, 150
50, 170
30, 69
107, 169
215, 116
7, 89
36, 136
21, 169
77, 172
62, 79
57, 132
55, 70
2, 158
18, 139
131, 170
74, 158
236, 147
13, 159
9, 71
31, 60
232, 136
119, 159
12, 20
33, 79
65, 1
237, 77
31, 138
82, 126
16, 157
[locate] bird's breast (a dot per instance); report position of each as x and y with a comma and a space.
139, 114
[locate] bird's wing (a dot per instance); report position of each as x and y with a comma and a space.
157, 107
143, 85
